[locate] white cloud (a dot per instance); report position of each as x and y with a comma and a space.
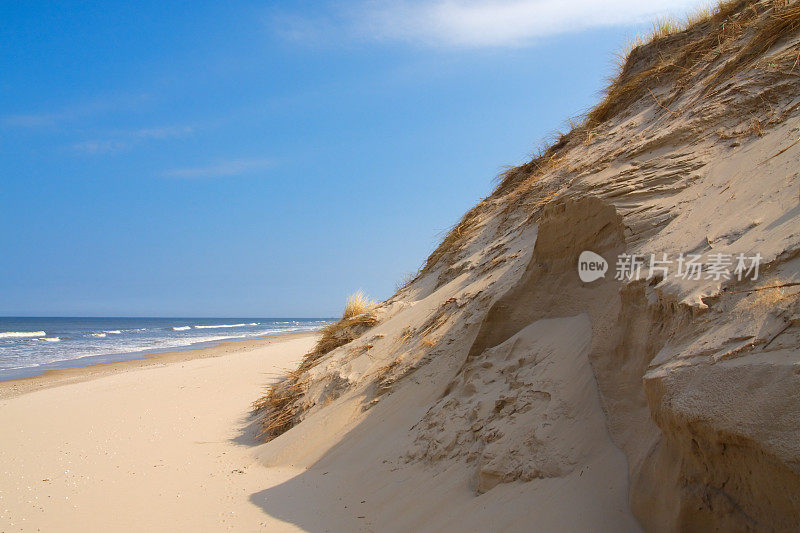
73, 112
100, 146
31, 120
162, 133
125, 140
477, 23
222, 169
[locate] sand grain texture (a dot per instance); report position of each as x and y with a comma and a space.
163, 447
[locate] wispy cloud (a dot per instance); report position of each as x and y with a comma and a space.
168, 132
72, 112
33, 120
125, 140
473, 23
221, 169
100, 146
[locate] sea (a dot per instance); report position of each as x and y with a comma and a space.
30, 346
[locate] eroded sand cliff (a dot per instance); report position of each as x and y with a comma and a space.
498, 390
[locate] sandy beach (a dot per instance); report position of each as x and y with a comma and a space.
608, 341
169, 442
150, 444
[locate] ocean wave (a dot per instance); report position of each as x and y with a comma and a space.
180, 328
113, 332
203, 340
22, 347
222, 326
21, 334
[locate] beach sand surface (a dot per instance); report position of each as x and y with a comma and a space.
151, 445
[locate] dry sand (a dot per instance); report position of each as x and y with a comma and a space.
159, 444
167, 443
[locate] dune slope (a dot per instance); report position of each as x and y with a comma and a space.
499, 391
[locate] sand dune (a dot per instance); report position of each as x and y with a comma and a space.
497, 391
473, 393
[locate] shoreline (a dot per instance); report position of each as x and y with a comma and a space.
14, 387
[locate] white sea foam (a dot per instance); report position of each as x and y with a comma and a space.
42, 348
221, 326
113, 332
21, 334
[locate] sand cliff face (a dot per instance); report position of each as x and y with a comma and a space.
676, 401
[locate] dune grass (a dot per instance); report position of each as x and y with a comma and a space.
406, 280
456, 236
674, 53
281, 404
783, 20
357, 303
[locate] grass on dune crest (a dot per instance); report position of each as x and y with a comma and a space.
460, 232
407, 279
357, 303
709, 47
357, 316
279, 406
676, 52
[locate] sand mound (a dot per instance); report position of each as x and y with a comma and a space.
499, 391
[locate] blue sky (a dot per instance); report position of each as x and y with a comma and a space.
268, 158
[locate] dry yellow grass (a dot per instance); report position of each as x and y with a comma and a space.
338, 334
457, 236
672, 54
756, 128
357, 303
675, 52
783, 20
281, 404
664, 27
700, 14
406, 280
